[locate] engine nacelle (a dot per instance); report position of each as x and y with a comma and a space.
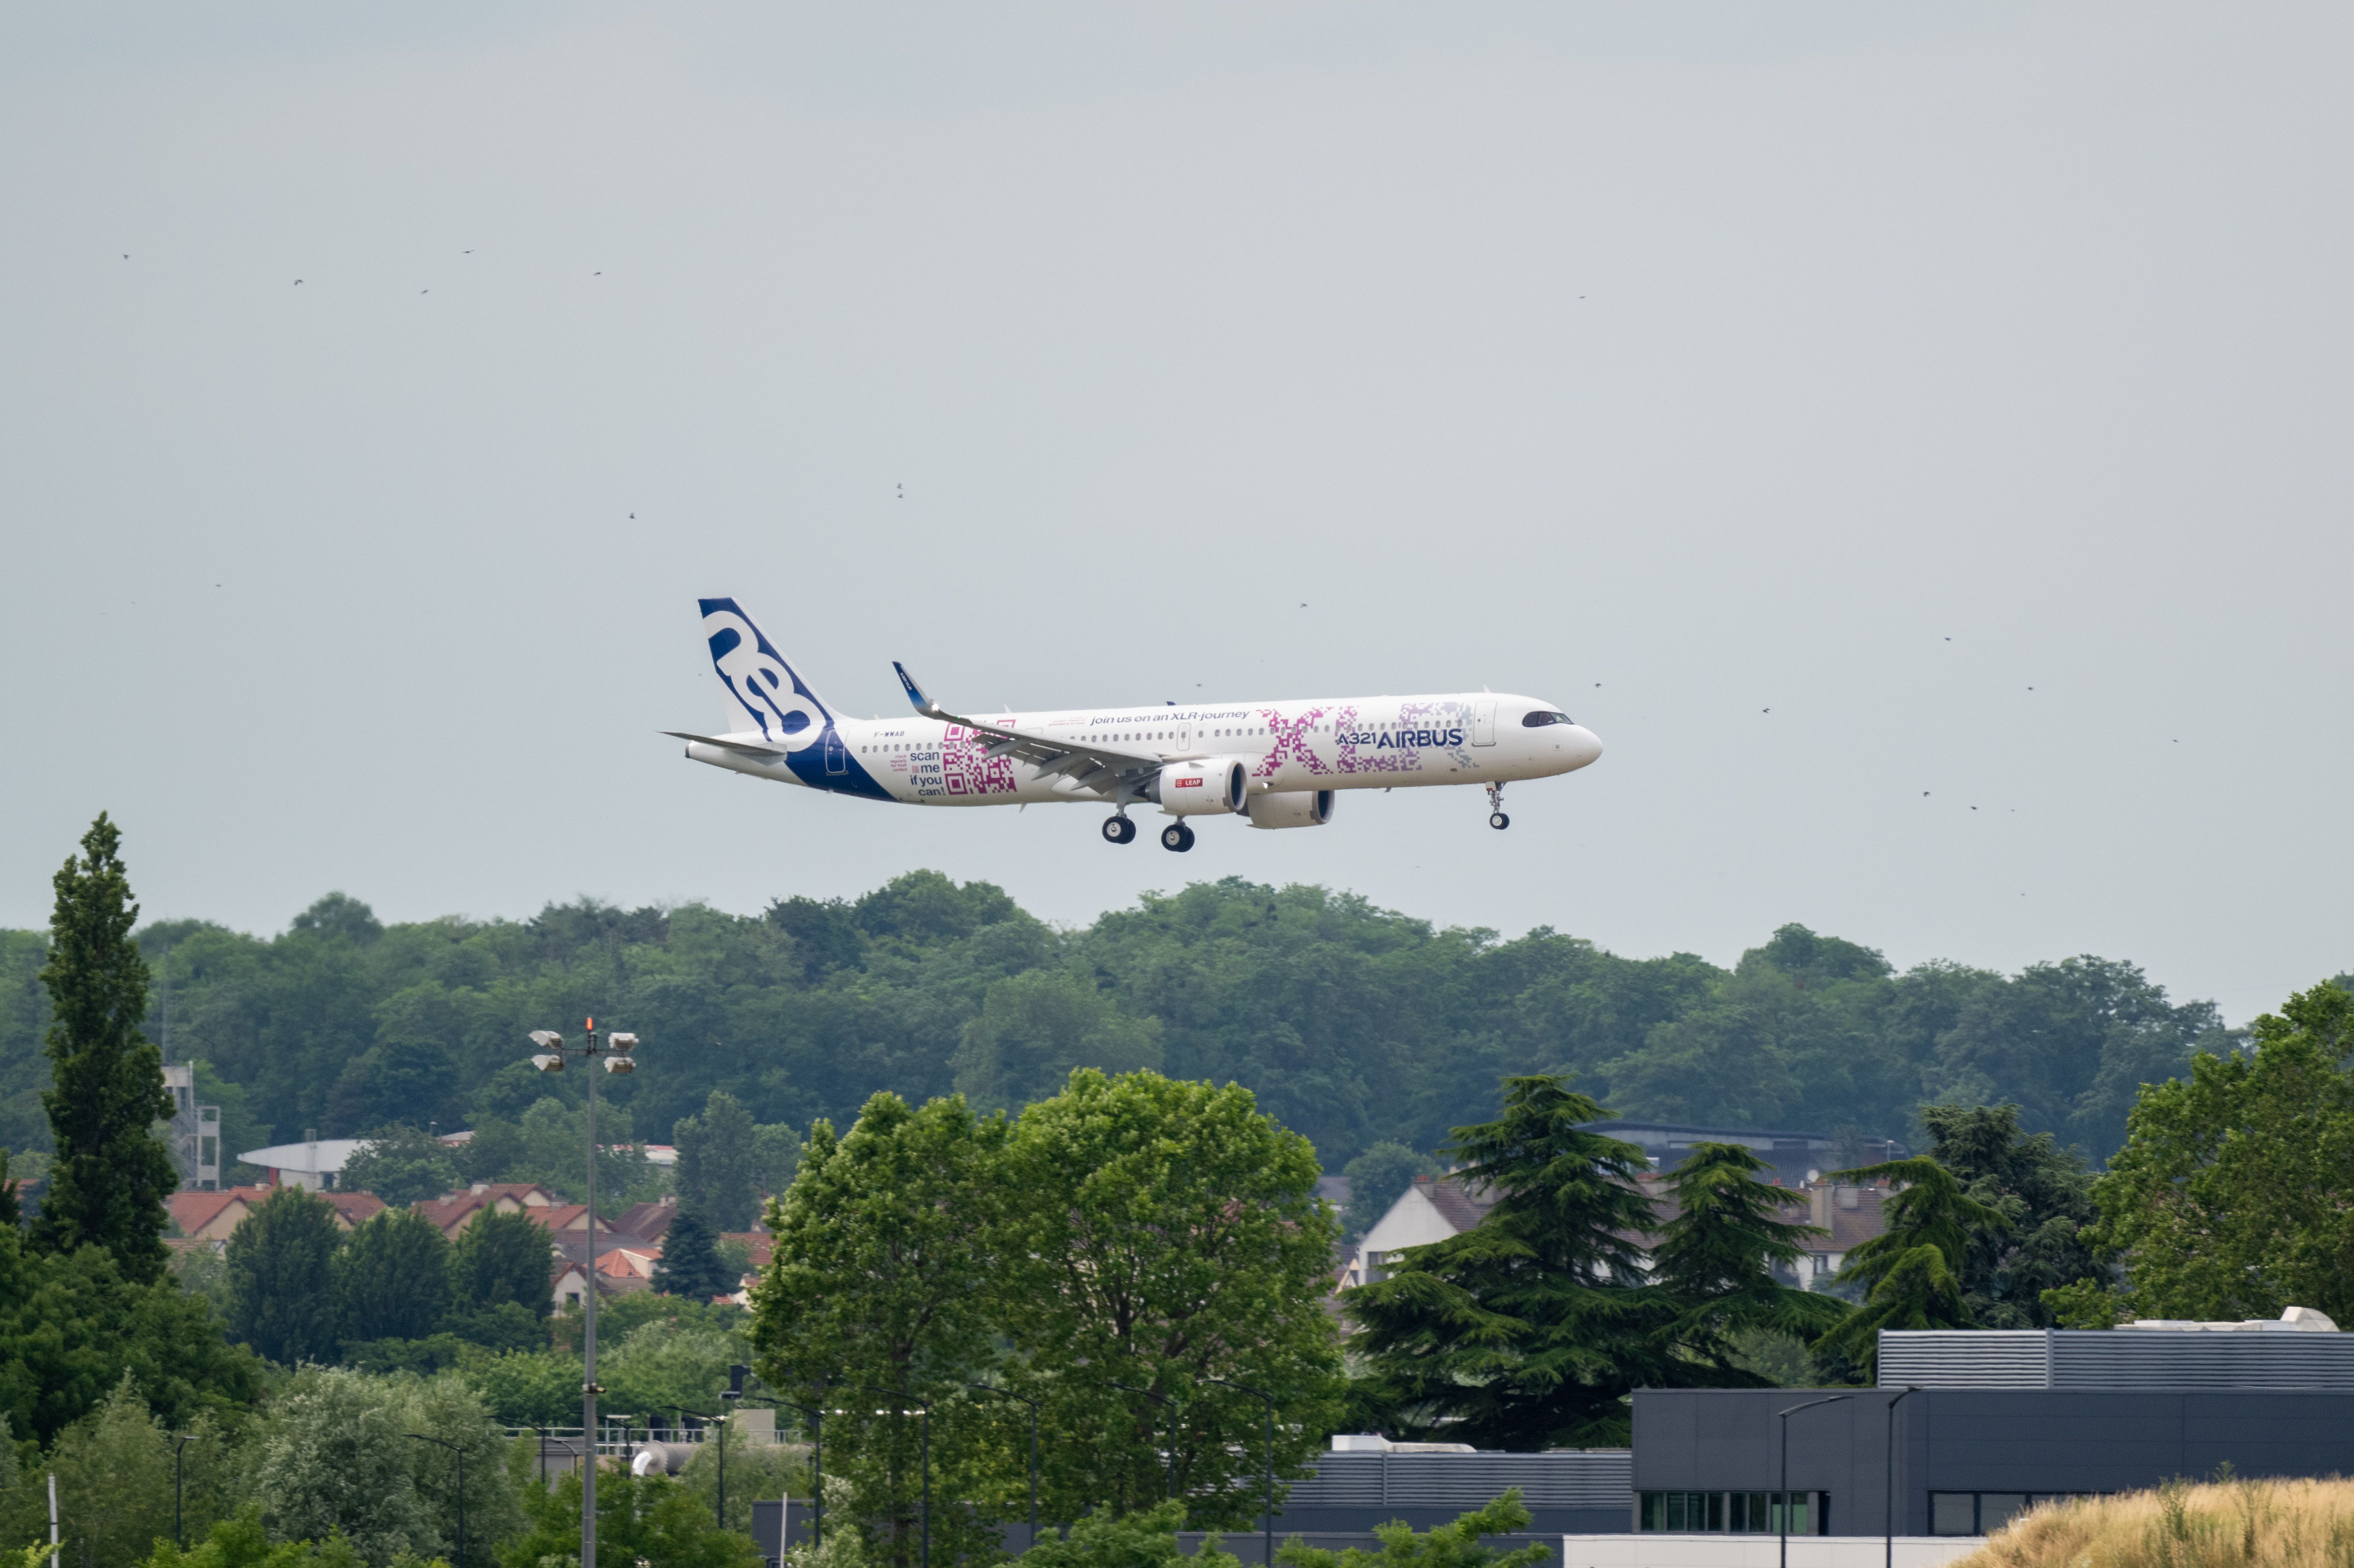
1201, 789
1291, 809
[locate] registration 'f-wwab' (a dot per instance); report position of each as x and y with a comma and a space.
1275, 764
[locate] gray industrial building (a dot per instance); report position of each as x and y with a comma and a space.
1996, 1421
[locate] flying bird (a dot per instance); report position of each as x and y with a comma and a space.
298, 283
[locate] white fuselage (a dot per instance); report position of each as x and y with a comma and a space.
1340, 743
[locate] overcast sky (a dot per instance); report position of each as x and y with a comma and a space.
1916, 438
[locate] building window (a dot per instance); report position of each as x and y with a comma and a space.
1983, 1513
1736, 1513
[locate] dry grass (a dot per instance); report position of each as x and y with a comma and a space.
2224, 1524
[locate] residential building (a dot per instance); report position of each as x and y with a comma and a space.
214, 1216
454, 1211
1793, 1159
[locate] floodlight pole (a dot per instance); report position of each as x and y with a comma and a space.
1784, 1499
615, 1048
1171, 1405
1888, 1479
925, 1408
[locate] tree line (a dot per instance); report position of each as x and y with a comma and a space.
1354, 1025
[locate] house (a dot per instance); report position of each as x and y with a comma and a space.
648, 1221
1436, 1207
454, 1211
214, 1216
1794, 1158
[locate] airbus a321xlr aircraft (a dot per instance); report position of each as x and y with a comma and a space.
1276, 765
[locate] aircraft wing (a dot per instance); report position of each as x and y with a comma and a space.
1109, 770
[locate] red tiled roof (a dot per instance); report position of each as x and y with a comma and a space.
357, 1208
759, 1243
649, 1222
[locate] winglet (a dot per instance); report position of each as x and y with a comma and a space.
915, 692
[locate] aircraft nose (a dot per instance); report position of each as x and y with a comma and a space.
1585, 745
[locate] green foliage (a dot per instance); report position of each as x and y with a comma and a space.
1036, 1028
755, 1469
391, 1278
71, 1328
727, 1164
500, 1259
281, 1278
554, 1134
1377, 1178
106, 1091
1715, 1262
667, 1364
1352, 1024
1163, 1234
2229, 1199
1145, 1538
401, 1164
115, 1481
1456, 1545
648, 1520
2044, 1195
885, 1275
690, 1264
1525, 1331
524, 1388
336, 1457
243, 1541
1910, 1268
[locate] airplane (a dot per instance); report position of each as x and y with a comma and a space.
1273, 763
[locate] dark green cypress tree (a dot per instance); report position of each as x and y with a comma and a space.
1716, 1260
281, 1278
106, 1081
1525, 1331
690, 1264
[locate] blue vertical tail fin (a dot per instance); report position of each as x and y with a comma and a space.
765, 696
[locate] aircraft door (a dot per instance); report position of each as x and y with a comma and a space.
837, 757
1483, 722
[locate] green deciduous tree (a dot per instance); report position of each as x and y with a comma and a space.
1165, 1234
885, 1274
503, 1258
1716, 1260
115, 1481
690, 1265
281, 1278
640, 1519
242, 1540
401, 1164
1145, 1538
112, 1174
392, 1277
1525, 1331
725, 1164
2229, 1199
1034, 1028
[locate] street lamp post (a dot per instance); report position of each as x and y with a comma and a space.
616, 1050
1268, 1545
992, 1388
1171, 1405
1888, 1478
454, 1449
1785, 1499
180, 1441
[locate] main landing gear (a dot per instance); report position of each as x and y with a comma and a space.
1177, 836
1120, 830
1496, 818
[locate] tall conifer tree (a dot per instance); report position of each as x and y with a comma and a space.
106, 1091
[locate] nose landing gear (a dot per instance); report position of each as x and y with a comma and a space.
1178, 837
1119, 831
1496, 818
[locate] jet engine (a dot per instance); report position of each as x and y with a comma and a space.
1201, 789
1291, 809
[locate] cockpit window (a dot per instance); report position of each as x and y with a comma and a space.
1540, 718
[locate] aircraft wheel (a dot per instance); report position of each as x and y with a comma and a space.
1177, 836
1119, 829
1497, 820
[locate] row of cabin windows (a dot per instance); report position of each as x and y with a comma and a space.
1736, 1513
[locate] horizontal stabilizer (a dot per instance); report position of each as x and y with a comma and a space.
751, 748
